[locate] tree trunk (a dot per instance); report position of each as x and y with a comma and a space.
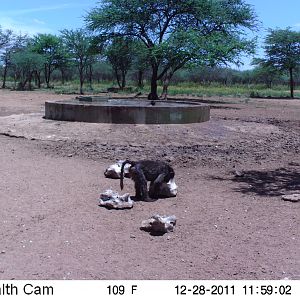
81, 79
62, 76
153, 93
22, 83
15, 81
123, 79
81, 87
291, 82
38, 79
4, 77
90, 76
118, 78
30, 81
140, 79
47, 75
81, 75
166, 82
81, 83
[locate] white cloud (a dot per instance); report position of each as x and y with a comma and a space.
18, 12
30, 27
297, 25
37, 21
30, 20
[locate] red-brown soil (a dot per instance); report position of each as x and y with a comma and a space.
231, 173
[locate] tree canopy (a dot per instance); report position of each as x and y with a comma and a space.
26, 63
282, 49
176, 32
120, 55
49, 46
80, 46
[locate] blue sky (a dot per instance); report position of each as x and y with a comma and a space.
40, 16
278, 13
275, 14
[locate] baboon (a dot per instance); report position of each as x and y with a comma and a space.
142, 171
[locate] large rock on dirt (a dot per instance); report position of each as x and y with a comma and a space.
114, 170
111, 199
159, 224
292, 197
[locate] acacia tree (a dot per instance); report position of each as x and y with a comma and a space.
157, 24
80, 46
189, 49
26, 63
140, 61
62, 60
49, 46
6, 42
120, 55
265, 72
13, 43
282, 49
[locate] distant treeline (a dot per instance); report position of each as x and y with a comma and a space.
102, 71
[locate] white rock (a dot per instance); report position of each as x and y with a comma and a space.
159, 224
292, 197
167, 190
114, 170
112, 199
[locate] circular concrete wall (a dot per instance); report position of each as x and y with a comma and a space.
124, 111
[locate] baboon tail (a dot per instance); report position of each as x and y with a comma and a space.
122, 172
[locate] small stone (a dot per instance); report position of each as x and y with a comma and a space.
293, 163
3, 251
292, 197
238, 173
170, 158
135, 145
132, 236
70, 155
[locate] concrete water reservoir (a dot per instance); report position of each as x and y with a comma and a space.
126, 111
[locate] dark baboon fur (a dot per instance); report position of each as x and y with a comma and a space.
147, 170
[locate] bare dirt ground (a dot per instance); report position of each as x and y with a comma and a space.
231, 173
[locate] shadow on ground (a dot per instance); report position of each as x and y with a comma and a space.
266, 183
